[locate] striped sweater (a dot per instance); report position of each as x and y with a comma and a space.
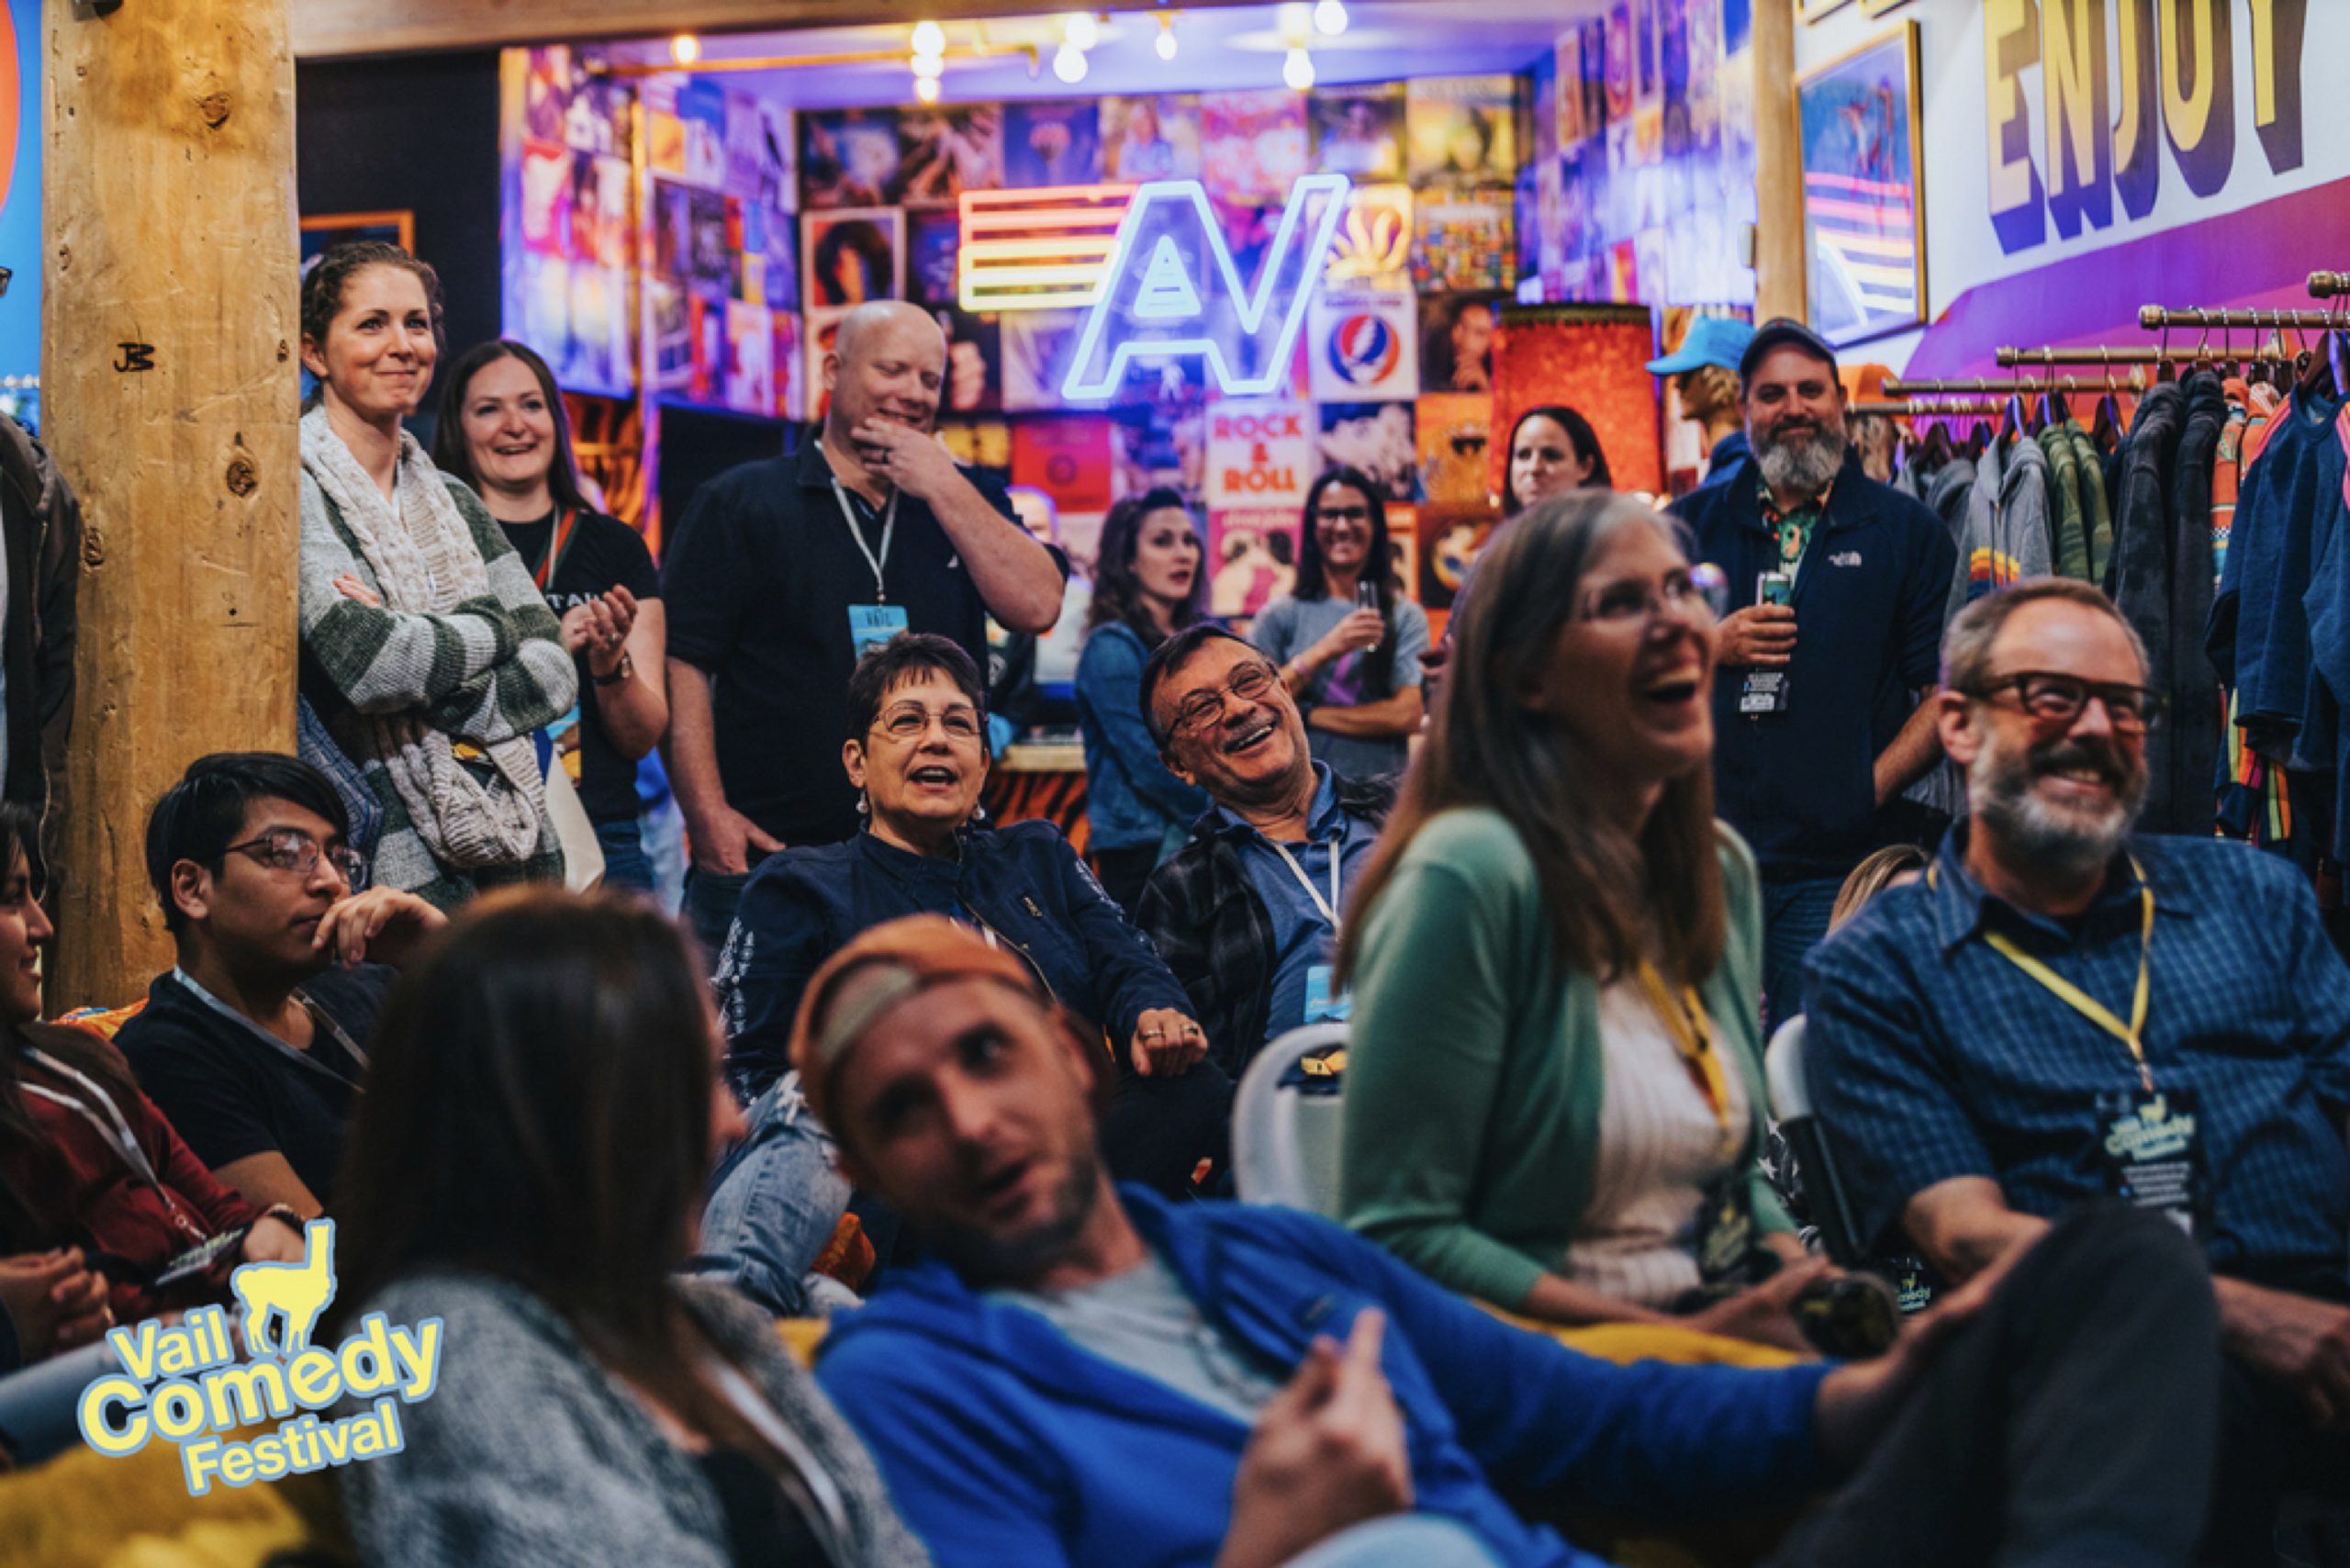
486, 670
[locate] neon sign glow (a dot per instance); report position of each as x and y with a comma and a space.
1174, 291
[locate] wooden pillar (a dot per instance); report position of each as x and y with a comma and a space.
1780, 288
169, 390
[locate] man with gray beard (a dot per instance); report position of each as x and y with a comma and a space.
2060, 1011
1817, 731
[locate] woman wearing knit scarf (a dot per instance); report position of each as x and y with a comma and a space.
426, 648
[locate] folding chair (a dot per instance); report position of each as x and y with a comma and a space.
1285, 1135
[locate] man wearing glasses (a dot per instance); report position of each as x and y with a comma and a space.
254, 1042
1246, 912
2061, 1011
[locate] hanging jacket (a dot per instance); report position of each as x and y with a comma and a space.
2183, 752
2096, 518
2007, 536
2064, 501
2139, 578
2326, 603
40, 530
1949, 490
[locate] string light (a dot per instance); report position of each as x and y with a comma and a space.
1293, 20
685, 48
1330, 17
926, 89
1069, 63
930, 39
1081, 30
1165, 46
1297, 69
929, 67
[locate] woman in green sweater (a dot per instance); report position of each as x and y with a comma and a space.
1554, 1095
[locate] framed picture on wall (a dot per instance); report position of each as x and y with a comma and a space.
1812, 10
1863, 216
331, 229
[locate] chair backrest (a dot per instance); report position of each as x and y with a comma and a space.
1286, 1141
1791, 1107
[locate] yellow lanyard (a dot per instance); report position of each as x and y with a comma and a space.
2132, 1033
1693, 1034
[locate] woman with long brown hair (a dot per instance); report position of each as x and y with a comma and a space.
1554, 1096
1147, 587
542, 1110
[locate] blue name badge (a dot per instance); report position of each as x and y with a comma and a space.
870, 625
1320, 1006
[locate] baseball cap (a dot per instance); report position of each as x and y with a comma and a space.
1711, 340
1783, 332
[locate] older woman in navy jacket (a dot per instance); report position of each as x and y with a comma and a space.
918, 755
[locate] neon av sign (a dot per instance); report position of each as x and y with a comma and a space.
1175, 292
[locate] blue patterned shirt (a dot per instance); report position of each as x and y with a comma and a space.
1930, 1056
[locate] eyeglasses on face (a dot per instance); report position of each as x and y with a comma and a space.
290, 849
911, 721
1621, 604
1203, 708
2053, 699
1342, 514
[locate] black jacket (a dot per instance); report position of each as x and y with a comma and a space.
2184, 752
1203, 915
2140, 580
40, 530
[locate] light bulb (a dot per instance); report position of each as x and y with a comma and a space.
930, 38
1068, 63
1330, 17
1293, 20
929, 67
1081, 30
1297, 69
1165, 46
685, 48
926, 89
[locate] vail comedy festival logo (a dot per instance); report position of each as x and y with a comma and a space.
185, 1384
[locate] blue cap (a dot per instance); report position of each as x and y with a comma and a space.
1711, 340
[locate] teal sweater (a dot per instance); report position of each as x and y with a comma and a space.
1475, 1069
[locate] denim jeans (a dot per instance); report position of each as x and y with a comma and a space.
709, 909
1795, 917
774, 1203
624, 862
1399, 1541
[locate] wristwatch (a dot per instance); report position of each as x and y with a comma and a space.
626, 668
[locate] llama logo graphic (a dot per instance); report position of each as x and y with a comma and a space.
293, 1292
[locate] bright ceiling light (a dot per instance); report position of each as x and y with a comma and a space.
1165, 46
929, 67
1297, 69
1080, 29
926, 88
1068, 63
1293, 20
930, 38
685, 48
1330, 17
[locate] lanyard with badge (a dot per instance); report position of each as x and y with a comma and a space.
870, 625
1321, 1006
2146, 1137
1726, 1233
557, 547
115, 1128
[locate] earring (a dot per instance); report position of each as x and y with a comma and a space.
864, 804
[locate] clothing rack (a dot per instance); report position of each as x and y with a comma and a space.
2157, 318
2109, 355
2013, 384
2329, 286
1920, 408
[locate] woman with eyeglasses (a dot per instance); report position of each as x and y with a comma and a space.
1567, 1126
1149, 584
90, 1170
1348, 643
917, 752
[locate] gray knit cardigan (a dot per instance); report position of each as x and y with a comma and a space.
489, 669
528, 1454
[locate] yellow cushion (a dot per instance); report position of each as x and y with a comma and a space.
84, 1510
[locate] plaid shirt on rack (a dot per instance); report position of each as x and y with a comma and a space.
1204, 915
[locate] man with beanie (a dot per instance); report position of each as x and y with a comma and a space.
1828, 652
1085, 1373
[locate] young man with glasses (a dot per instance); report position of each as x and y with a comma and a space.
254, 1043
1246, 912
2064, 1010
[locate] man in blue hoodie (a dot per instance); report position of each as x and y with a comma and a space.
1087, 1374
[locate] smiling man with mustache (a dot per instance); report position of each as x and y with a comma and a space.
2064, 1010
1818, 730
